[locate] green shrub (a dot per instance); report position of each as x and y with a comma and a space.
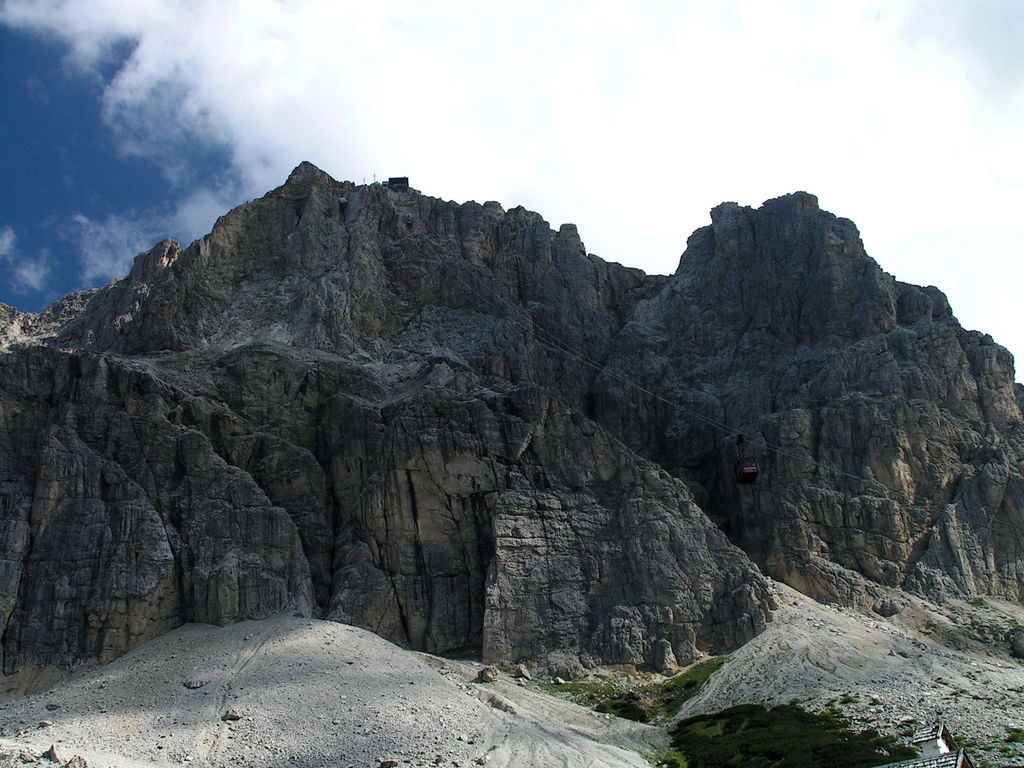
625, 705
672, 694
784, 737
643, 702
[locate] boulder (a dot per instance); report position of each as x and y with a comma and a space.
1015, 639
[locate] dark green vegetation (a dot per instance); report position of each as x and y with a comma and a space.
645, 703
784, 737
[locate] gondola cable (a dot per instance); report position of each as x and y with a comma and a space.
546, 337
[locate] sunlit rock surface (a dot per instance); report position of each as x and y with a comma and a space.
451, 425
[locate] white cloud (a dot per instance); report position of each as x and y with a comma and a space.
7, 241
26, 273
632, 120
31, 273
195, 214
983, 35
108, 247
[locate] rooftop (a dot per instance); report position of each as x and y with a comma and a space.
957, 759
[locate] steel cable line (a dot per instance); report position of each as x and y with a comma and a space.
549, 338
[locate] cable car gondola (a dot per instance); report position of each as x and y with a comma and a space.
746, 466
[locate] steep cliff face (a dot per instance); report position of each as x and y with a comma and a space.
888, 436
450, 425
118, 523
358, 403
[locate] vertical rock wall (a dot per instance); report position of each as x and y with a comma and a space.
450, 425
888, 436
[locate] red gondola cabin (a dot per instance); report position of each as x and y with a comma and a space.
746, 470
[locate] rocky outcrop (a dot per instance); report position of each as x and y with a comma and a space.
351, 402
888, 436
450, 425
119, 524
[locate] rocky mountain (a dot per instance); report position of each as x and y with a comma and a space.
452, 426
891, 435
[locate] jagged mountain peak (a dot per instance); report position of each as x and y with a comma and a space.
304, 172
333, 265
449, 423
795, 203
149, 264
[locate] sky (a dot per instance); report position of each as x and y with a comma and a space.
127, 121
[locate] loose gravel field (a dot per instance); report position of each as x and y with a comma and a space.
302, 693
314, 694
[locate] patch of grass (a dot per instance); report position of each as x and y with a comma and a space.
588, 691
669, 758
644, 702
625, 705
658, 701
1015, 735
784, 737
669, 696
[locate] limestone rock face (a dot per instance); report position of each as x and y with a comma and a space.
119, 524
356, 403
889, 438
451, 425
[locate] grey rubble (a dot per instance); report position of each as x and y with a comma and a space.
422, 418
